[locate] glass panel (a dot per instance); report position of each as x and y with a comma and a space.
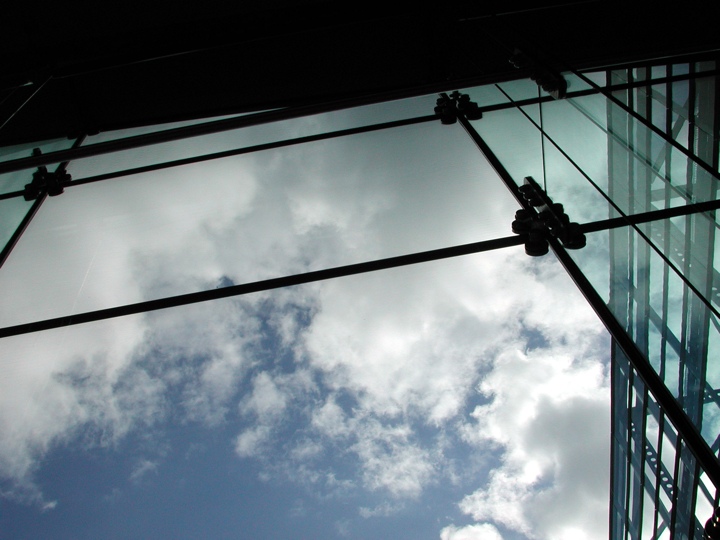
485, 95
658, 72
252, 217
687, 318
12, 212
18, 151
583, 143
578, 128
251, 136
515, 141
142, 130
520, 89
704, 503
680, 69
15, 181
342, 119
598, 77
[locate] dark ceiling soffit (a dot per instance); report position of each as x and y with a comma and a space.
309, 55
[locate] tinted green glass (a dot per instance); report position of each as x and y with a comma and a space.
665, 314
8, 153
15, 181
485, 95
514, 140
249, 136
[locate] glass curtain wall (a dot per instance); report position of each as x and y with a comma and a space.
342, 407
379, 391
648, 142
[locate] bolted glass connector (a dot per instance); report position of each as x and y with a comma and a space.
44, 182
712, 527
446, 110
546, 78
536, 245
544, 217
449, 107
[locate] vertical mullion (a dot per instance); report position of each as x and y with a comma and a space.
667, 231
629, 524
658, 482
20, 229
674, 500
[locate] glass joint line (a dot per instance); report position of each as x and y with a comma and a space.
542, 142
241, 151
180, 133
22, 227
686, 430
619, 210
33, 92
699, 162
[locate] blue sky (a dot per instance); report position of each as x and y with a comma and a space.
454, 400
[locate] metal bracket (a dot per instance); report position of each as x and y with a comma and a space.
547, 79
712, 527
44, 182
449, 107
544, 217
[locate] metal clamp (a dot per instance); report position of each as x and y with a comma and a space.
44, 182
542, 218
450, 106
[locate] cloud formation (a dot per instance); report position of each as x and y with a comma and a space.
367, 383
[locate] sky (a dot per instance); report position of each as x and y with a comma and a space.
453, 400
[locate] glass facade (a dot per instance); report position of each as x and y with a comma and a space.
246, 226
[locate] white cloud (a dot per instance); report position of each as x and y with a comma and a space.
249, 442
550, 414
377, 369
142, 469
484, 531
266, 399
49, 506
391, 462
383, 510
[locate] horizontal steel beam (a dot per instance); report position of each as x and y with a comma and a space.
264, 285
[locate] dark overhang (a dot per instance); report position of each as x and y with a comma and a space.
93, 66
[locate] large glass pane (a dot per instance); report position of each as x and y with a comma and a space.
12, 212
15, 181
250, 136
520, 89
485, 95
515, 141
679, 343
252, 217
574, 151
18, 151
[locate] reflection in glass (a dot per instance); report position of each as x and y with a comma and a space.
668, 321
655, 476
